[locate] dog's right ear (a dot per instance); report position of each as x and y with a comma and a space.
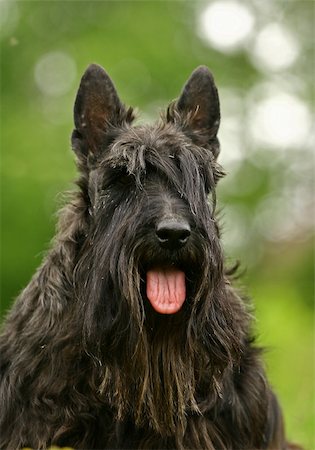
97, 108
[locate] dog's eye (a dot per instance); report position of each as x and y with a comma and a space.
124, 180
116, 179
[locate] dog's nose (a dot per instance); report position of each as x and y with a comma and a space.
173, 234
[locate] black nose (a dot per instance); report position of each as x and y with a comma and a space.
172, 234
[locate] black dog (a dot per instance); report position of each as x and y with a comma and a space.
130, 334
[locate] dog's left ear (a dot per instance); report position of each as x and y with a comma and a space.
97, 108
198, 109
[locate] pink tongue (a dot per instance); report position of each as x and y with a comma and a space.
166, 290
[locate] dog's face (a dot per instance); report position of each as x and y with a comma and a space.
151, 194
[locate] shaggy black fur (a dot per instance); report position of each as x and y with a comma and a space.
86, 360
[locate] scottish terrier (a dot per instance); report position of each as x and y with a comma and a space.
130, 334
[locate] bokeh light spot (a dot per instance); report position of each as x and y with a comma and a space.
55, 73
226, 24
275, 48
281, 120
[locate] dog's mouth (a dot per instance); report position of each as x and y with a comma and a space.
166, 289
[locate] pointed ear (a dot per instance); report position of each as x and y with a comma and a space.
198, 109
97, 107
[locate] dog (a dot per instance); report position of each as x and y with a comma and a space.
130, 334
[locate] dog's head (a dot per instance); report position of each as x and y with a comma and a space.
150, 200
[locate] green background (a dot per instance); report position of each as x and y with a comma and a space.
150, 48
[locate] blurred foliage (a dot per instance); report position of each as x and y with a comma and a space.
149, 48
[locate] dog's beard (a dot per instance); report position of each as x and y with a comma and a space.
149, 358
158, 381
